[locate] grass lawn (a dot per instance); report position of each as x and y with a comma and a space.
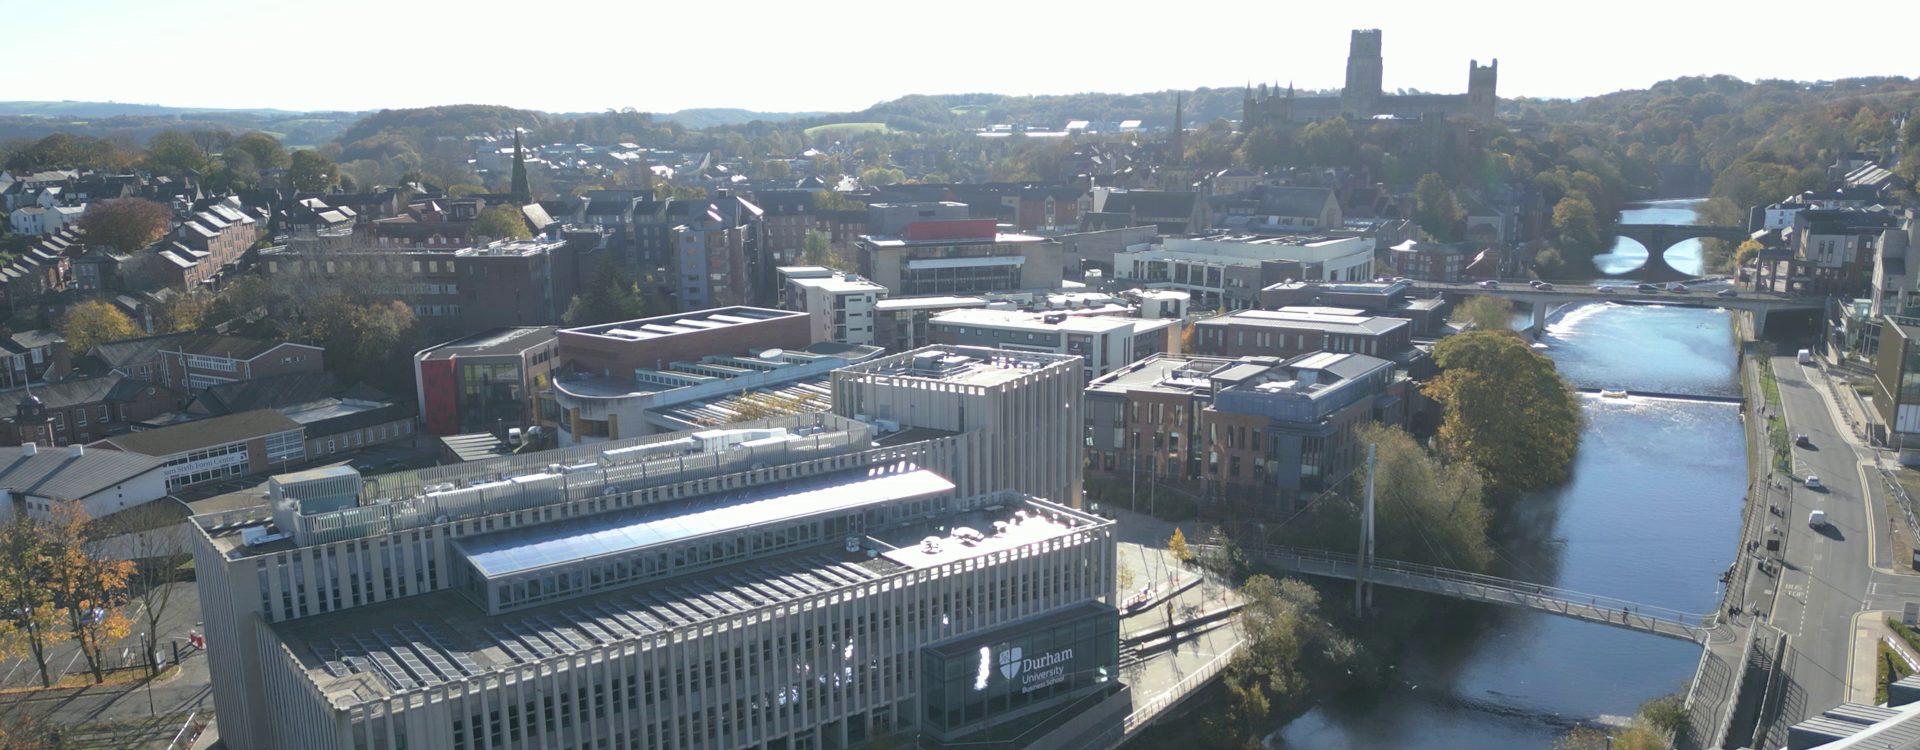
850, 128
1768, 385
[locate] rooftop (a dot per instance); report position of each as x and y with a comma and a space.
1034, 321
1162, 373
494, 342
56, 473
562, 542
204, 433
1329, 320
926, 303
680, 323
967, 365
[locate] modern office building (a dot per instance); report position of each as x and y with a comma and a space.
1025, 407
903, 323
618, 380
690, 591
839, 305
1387, 298
1259, 433
1103, 342
1228, 271
1292, 331
492, 378
962, 256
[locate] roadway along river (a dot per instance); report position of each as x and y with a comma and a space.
1651, 515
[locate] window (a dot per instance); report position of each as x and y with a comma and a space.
80, 417
104, 414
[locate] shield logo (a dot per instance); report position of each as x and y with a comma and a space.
1010, 662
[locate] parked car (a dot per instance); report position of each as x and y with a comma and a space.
1726, 293
1803, 442
1646, 287
1489, 284
1813, 483
1676, 287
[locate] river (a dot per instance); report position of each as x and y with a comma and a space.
1651, 514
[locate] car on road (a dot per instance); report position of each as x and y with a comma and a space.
1813, 483
1605, 290
1676, 287
1803, 442
1817, 519
1646, 287
1726, 293
1534, 282
1489, 284
1543, 286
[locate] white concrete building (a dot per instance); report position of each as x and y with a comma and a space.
101, 481
1103, 342
1228, 271
840, 306
786, 604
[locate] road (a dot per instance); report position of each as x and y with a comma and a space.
1832, 573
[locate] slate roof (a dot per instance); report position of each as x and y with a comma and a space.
203, 433
211, 345
1151, 203
135, 351
83, 391
275, 392
56, 474
1295, 201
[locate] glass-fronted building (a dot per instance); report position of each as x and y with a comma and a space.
999, 676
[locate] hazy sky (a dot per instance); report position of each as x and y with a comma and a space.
577, 55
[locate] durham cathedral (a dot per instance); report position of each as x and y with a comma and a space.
1362, 97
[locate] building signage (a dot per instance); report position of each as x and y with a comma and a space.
1037, 672
206, 464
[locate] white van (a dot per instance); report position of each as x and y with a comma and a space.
513, 436
1806, 356
1817, 519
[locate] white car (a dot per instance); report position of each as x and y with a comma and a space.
1813, 483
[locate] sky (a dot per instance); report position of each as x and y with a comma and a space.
843, 55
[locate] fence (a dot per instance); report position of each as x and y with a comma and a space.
189, 731
1899, 493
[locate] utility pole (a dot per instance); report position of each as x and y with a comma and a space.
1361, 593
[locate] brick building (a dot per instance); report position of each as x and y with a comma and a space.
83, 409
202, 361
210, 450
1293, 331
499, 284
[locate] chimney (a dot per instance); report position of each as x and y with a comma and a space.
29, 449
76, 451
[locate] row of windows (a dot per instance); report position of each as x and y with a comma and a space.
223, 364
361, 586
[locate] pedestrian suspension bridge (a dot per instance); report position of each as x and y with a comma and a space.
1458, 584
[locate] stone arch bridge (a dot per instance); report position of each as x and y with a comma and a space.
1659, 238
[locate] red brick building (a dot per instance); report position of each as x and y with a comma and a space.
85, 409
197, 362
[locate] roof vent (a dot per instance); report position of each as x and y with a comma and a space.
29, 449
76, 450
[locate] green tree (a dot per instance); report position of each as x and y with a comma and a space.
128, 225
312, 171
1437, 210
1576, 224
1745, 253
1265, 146
264, 149
28, 619
1328, 143
1484, 313
94, 322
174, 152
828, 200
1504, 410
610, 296
88, 586
1911, 133
501, 223
1426, 510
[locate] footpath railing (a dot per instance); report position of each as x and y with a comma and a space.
189, 731
1148, 712
1476, 586
1898, 492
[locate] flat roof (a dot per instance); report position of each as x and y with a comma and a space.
1032, 321
1162, 373
920, 303
522, 549
1315, 318
494, 342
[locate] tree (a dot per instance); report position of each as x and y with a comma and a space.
1426, 510
184, 312
1484, 313
89, 587
816, 248
28, 618
1438, 211
1505, 410
264, 149
1265, 146
154, 579
128, 225
1911, 133
501, 223
828, 200
1576, 224
94, 322
610, 296
1327, 143
312, 171
1746, 253
174, 152
1177, 546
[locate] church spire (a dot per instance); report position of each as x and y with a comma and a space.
521, 192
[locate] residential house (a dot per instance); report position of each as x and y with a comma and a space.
35, 356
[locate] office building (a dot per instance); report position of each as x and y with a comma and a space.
1103, 342
1025, 407
490, 379
1262, 435
961, 256
903, 323
839, 305
227, 447
1384, 298
800, 591
672, 372
1228, 272
1292, 331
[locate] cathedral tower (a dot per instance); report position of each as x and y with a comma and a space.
1365, 71
1482, 88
